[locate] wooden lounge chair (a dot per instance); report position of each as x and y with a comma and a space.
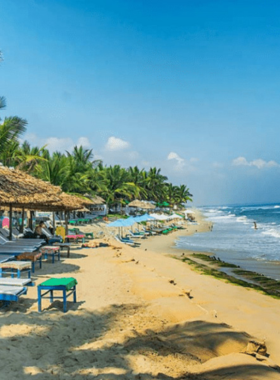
26, 242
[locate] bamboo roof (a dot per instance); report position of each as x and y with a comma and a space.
65, 202
23, 190
141, 204
95, 199
20, 189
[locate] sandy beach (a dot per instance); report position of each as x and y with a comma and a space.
141, 314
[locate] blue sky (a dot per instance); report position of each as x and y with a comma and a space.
192, 87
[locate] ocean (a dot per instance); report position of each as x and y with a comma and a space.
234, 238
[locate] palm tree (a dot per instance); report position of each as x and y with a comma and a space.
183, 194
10, 130
2, 102
28, 157
155, 184
54, 169
140, 180
118, 187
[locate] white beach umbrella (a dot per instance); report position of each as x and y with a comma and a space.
175, 216
159, 216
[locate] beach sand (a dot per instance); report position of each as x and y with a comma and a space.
134, 319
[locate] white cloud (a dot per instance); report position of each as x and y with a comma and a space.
258, 163
60, 144
56, 143
115, 143
83, 141
175, 156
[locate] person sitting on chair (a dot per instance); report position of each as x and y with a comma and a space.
39, 231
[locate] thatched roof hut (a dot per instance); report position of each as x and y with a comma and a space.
65, 202
19, 189
22, 190
141, 204
95, 199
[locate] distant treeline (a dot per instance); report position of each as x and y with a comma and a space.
78, 173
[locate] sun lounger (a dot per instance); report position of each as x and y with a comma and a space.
76, 231
14, 246
137, 235
127, 241
65, 285
4, 257
31, 242
11, 293
8, 281
51, 238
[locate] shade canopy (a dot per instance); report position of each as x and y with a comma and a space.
22, 190
95, 199
163, 204
141, 204
175, 216
65, 202
143, 218
122, 223
19, 189
159, 216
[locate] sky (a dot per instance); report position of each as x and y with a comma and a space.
190, 86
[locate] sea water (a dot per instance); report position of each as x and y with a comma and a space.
235, 239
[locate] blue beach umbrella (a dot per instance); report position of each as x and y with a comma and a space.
143, 218
117, 223
122, 223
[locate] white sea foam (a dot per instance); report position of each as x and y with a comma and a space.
243, 219
234, 232
272, 232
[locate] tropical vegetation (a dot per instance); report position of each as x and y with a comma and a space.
77, 172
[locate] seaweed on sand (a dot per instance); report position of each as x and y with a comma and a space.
262, 284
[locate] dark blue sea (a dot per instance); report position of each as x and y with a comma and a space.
234, 237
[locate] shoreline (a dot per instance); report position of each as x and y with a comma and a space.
140, 314
167, 245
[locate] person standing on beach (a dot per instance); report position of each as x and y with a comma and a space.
255, 226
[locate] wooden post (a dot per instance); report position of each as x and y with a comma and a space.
66, 222
11, 222
30, 221
22, 220
54, 222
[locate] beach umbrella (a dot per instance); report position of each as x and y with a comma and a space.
163, 204
117, 223
159, 216
189, 212
143, 218
122, 223
175, 216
